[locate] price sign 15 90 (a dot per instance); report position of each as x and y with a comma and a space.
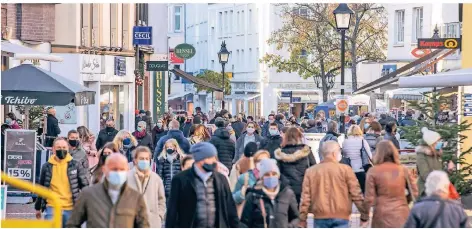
20, 173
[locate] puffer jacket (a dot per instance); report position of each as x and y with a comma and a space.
226, 148
426, 162
77, 180
167, 171
280, 213
293, 161
271, 143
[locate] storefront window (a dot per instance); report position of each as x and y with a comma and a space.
112, 104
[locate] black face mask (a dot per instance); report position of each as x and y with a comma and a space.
209, 167
170, 151
61, 153
74, 143
109, 128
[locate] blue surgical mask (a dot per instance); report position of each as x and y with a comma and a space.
126, 141
144, 165
139, 129
439, 145
117, 178
366, 126
271, 182
273, 132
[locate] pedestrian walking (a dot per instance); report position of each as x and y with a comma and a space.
436, 210
385, 188
315, 127
148, 121
201, 197
331, 135
200, 134
76, 150
97, 171
266, 126
356, 147
187, 125
408, 120
294, 159
87, 141
329, 189
373, 136
186, 162
52, 127
243, 164
149, 184
142, 136
365, 124
271, 204
107, 134
238, 125
174, 133
168, 163
428, 157
126, 143
390, 134
111, 203
158, 131
249, 135
273, 141
64, 177
222, 142
12, 121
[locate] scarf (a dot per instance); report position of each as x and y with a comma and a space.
140, 135
271, 194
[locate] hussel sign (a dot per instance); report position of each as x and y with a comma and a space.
18, 100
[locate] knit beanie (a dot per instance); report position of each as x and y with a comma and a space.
250, 149
268, 165
429, 136
202, 151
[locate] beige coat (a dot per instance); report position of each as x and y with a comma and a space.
153, 194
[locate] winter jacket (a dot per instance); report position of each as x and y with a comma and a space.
157, 134
238, 195
315, 130
96, 209
240, 145
146, 140
104, 136
127, 151
79, 155
352, 149
280, 213
329, 189
186, 129
426, 162
408, 121
238, 128
76, 174
330, 136
373, 140
178, 136
428, 213
293, 162
53, 129
393, 139
385, 191
167, 171
153, 193
182, 205
271, 143
225, 147
91, 151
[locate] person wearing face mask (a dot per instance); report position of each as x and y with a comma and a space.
238, 125
390, 134
159, 131
96, 171
142, 136
52, 127
111, 203
149, 184
315, 126
271, 204
266, 125
273, 141
168, 163
221, 139
64, 177
126, 143
75, 148
249, 136
200, 196
11, 121
107, 134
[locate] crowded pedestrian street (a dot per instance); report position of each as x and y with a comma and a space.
243, 115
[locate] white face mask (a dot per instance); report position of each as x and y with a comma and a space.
250, 130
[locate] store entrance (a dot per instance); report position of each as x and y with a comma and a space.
112, 105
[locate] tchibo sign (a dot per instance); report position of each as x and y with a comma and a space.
17, 100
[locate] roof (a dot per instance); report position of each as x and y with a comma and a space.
195, 80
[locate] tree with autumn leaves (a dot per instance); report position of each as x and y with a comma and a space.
216, 79
314, 43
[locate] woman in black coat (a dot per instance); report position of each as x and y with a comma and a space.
159, 131
142, 136
168, 163
271, 204
294, 158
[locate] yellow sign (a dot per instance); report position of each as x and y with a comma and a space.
451, 43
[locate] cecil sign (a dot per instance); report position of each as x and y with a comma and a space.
441, 43
142, 35
184, 51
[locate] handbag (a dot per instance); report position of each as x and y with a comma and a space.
240, 207
366, 160
345, 160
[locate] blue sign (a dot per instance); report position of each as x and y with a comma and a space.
120, 66
296, 99
286, 94
142, 35
388, 68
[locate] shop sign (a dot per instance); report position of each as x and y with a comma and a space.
91, 64
297, 86
20, 156
418, 53
120, 66
155, 66
142, 35
296, 99
159, 94
440, 43
285, 94
388, 68
244, 86
174, 59
184, 51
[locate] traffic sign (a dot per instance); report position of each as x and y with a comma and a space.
142, 35
342, 106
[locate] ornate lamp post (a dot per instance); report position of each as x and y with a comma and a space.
342, 15
223, 56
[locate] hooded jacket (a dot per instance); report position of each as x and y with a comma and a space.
238, 128
240, 145
293, 161
271, 143
426, 162
178, 136
224, 145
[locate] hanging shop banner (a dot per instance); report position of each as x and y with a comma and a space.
142, 35
313, 140
159, 99
184, 51
20, 156
440, 43
156, 66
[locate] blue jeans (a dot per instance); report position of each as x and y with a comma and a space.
65, 215
331, 223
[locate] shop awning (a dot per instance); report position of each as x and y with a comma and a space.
408, 93
394, 76
195, 80
178, 95
461, 77
23, 52
244, 97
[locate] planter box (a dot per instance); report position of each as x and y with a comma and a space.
467, 201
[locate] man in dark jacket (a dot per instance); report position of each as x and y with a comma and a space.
200, 196
65, 177
408, 120
273, 141
52, 127
265, 128
174, 133
187, 125
76, 150
238, 125
106, 135
221, 140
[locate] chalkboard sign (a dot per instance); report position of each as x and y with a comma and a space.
20, 156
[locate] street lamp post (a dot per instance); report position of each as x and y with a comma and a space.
223, 56
342, 15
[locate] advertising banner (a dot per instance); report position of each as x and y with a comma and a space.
313, 140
